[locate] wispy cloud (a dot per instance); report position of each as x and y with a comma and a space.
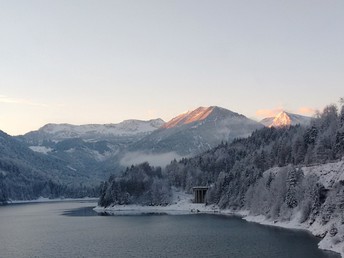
20, 101
162, 159
307, 111
263, 113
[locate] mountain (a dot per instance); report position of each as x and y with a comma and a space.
90, 149
128, 129
25, 174
283, 119
196, 131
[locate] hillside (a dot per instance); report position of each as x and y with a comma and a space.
25, 174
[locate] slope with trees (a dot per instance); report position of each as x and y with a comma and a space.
290, 173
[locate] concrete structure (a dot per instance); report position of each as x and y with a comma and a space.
199, 193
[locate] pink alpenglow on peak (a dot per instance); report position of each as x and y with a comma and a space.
284, 119
189, 117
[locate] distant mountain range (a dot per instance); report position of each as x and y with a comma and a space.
96, 149
91, 150
283, 119
132, 129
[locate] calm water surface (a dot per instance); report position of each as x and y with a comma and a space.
72, 229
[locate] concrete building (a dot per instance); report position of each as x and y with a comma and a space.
199, 193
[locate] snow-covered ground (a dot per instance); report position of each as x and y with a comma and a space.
42, 200
41, 149
181, 204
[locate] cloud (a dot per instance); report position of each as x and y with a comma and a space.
264, 113
307, 111
134, 158
8, 100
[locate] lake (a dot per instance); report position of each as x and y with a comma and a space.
73, 229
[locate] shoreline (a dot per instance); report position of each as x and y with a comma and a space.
47, 200
184, 206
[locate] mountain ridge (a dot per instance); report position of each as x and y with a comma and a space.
93, 132
196, 131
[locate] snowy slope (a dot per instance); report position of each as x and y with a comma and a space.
93, 132
285, 119
327, 222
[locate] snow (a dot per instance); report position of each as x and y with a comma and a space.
125, 128
285, 119
328, 173
101, 157
71, 168
41, 149
42, 200
182, 204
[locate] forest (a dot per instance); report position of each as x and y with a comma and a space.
239, 176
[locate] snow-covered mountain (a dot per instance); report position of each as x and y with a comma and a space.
189, 117
196, 131
90, 149
283, 119
93, 132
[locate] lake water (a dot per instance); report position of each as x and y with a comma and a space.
72, 229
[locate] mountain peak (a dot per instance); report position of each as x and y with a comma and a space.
285, 119
189, 117
282, 119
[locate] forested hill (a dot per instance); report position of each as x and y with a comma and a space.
292, 173
232, 168
26, 175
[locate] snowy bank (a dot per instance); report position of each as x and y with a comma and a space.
316, 229
182, 204
42, 200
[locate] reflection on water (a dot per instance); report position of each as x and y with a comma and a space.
89, 212
82, 212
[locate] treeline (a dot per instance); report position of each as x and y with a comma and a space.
282, 194
31, 189
140, 184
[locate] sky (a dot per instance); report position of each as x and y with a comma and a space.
96, 61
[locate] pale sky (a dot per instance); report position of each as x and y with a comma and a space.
81, 61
